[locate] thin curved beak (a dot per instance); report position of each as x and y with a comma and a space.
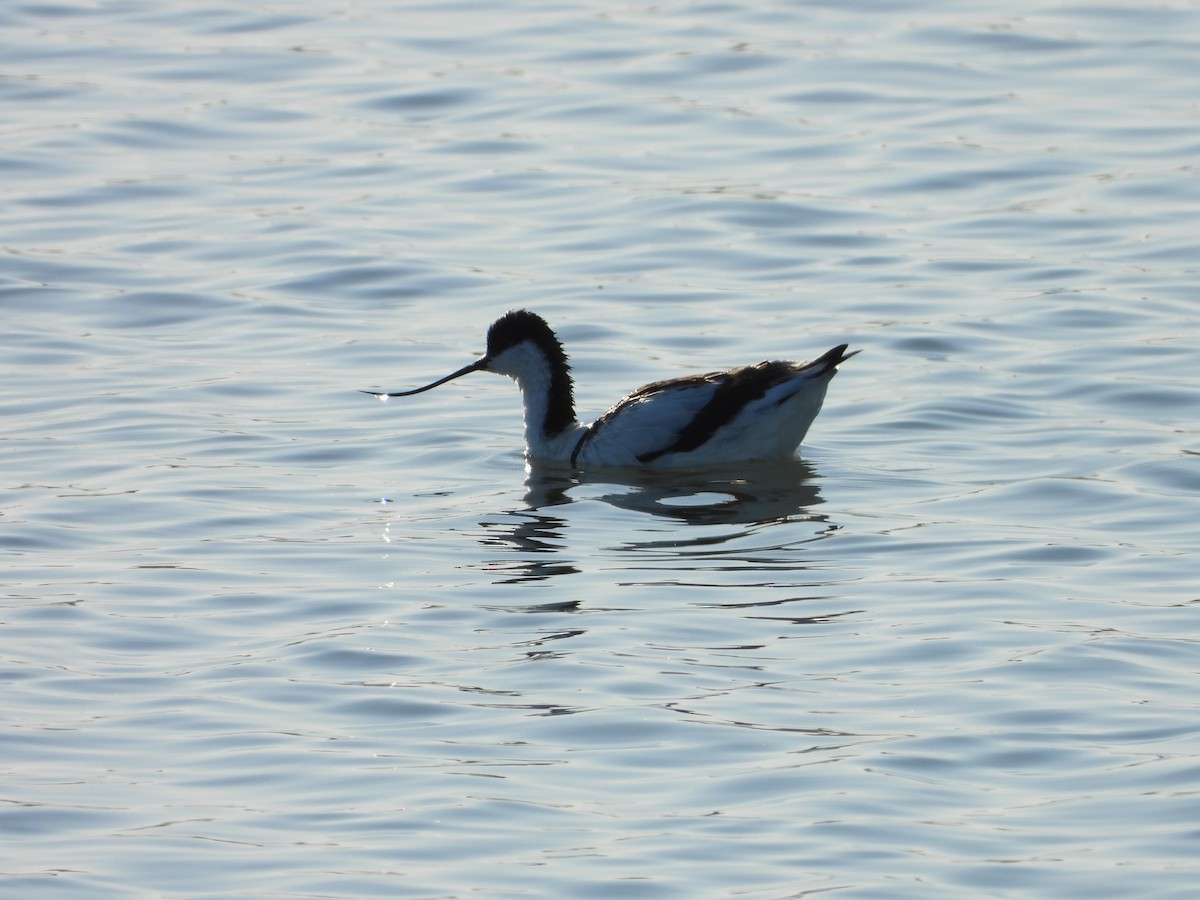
480, 363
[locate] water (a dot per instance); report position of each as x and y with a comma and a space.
262, 635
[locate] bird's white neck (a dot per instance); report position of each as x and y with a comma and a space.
551, 429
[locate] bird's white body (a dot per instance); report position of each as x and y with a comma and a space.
751, 413
771, 427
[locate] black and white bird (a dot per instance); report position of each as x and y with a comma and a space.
757, 412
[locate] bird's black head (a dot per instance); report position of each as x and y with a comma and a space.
520, 325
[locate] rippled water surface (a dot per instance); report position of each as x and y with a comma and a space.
262, 635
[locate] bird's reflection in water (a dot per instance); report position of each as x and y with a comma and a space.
537, 540
743, 494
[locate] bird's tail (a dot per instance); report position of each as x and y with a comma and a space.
828, 362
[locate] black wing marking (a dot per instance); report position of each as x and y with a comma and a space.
735, 389
729, 392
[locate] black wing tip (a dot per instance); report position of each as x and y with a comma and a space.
831, 359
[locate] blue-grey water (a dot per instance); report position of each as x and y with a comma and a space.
261, 635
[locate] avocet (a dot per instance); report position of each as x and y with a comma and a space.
756, 412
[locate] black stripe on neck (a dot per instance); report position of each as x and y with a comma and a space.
583, 439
